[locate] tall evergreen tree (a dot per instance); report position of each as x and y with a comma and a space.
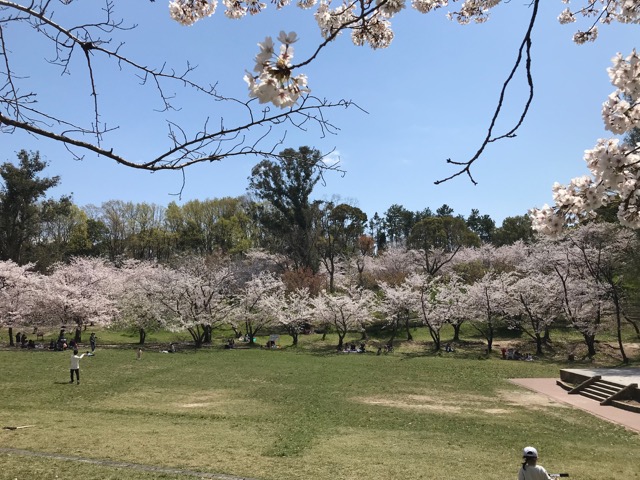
288, 215
19, 194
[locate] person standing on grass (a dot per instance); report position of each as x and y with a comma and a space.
530, 469
75, 366
92, 341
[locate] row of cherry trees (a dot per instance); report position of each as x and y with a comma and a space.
578, 281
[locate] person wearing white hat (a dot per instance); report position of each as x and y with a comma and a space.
530, 469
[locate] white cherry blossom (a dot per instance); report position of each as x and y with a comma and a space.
614, 166
188, 12
370, 23
275, 83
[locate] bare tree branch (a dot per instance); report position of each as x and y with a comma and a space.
525, 49
91, 42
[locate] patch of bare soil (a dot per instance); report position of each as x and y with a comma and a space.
203, 399
464, 405
496, 411
532, 400
460, 405
409, 405
631, 349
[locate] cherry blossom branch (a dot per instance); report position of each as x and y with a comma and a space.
246, 137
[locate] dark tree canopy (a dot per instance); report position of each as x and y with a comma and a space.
21, 189
514, 229
482, 225
398, 222
285, 185
446, 232
341, 237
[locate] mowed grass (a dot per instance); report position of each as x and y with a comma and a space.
297, 414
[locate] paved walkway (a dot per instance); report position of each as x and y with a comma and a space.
622, 376
548, 387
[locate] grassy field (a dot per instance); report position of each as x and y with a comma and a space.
303, 413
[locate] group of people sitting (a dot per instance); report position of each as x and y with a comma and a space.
351, 348
62, 343
514, 354
23, 342
386, 348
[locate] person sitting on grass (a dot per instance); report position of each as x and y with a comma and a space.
530, 470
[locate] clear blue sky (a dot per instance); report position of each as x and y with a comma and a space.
429, 97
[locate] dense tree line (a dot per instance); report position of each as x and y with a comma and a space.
580, 282
276, 259
277, 214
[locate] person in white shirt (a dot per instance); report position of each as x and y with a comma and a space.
530, 469
75, 365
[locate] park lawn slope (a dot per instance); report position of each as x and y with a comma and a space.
290, 415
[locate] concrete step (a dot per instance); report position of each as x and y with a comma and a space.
605, 389
601, 390
616, 386
593, 395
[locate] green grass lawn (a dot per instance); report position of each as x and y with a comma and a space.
305, 413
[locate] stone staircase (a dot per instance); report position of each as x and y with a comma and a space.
605, 392
601, 390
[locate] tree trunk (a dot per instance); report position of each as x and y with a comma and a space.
11, 344
251, 334
456, 332
143, 335
207, 334
616, 302
237, 332
435, 335
590, 342
489, 338
538, 344
196, 336
547, 335
364, 335
408, 328
393, 332
332, 286
78, 335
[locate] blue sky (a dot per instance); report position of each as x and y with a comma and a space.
429, 97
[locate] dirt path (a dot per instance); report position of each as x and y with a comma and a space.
115, 464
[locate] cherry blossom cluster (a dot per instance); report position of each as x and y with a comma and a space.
188, 12
614, 165
605, 12
370, 23
274, 82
